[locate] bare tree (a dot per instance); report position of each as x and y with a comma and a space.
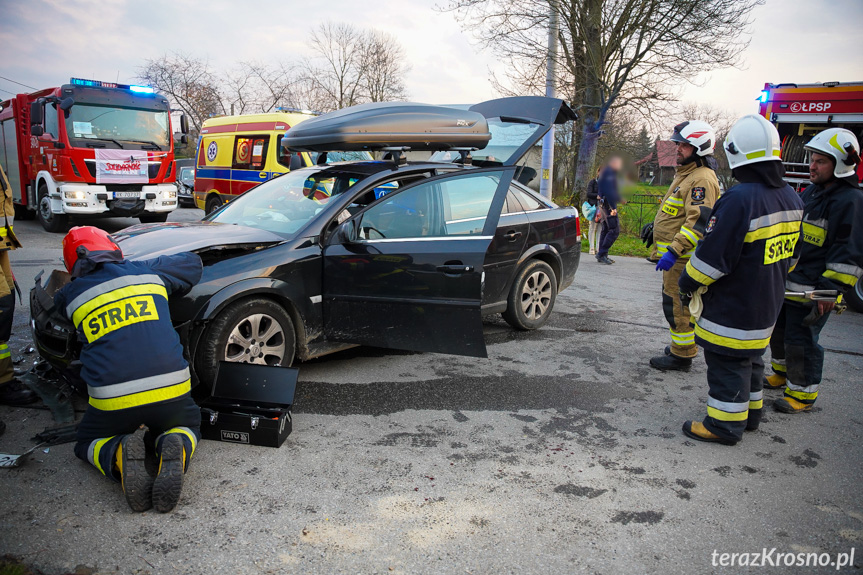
337, 66
383, 68
613, 53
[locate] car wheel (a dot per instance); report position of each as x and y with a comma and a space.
532, 296
255, 331
213, 204
855, 297
54, 223
153, 218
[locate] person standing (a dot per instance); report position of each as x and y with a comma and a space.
592, 202
132, 361
831, 258
609, 195
750, 243
12, 391
677, 228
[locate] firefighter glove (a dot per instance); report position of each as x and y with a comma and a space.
667, 261
647, 234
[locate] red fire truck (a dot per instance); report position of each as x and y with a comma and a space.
89, 148
802, 110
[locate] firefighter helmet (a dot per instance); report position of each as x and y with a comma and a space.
84, 240
839, 144
697, 133
752, 139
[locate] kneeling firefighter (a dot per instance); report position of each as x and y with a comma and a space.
750, 243
133, 364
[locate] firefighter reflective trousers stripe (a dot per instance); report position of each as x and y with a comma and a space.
796, 353
677, 315
735, 398
100, 432
7, 310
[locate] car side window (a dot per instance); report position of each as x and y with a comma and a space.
528, 202
250, 152
511, 206
455, 206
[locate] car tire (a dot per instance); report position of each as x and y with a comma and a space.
214, 202
532, 296
153, 218
855, 297
246, 321
54, 223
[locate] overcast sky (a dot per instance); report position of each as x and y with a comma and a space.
44, 42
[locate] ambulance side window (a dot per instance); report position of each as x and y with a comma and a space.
250, 152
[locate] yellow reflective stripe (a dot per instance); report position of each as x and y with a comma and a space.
777, 153
142, 398
834, 141
772, 231
725, 416
114, 295
4, 351
690, 235
758, 154
846, 279
674, 201
778, 365
97, 447
3, 231
802, 395
697, 275
661, 247
188, 433
682, 338
813, 234
730, 342
756, 404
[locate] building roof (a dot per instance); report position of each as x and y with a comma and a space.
667, 152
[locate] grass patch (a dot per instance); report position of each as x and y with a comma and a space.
626, 245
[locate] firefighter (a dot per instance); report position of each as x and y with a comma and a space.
831, 258
737, 279
679, 225
12, 391
133, 365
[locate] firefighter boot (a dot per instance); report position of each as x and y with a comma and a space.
791, 405
129, 460
775, 381
169, 481
671, 362
696, 430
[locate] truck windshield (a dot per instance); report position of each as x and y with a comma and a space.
285, 204
147, 127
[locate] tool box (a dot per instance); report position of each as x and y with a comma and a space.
250, 404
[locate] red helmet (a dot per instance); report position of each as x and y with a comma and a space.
82, 240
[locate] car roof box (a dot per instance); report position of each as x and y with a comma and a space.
390, 125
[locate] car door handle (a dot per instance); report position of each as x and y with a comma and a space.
455, 268
263, 175
512, 235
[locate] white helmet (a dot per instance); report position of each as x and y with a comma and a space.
752, 139
841, 145
699, 134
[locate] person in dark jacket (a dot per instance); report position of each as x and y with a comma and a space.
831, 258
609, 196
132, 362
736, 279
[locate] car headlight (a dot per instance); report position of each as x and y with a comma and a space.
76, 195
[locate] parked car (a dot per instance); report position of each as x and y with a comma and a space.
386, 253
186, 183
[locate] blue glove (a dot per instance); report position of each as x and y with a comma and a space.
667, 261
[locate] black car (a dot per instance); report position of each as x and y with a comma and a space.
393, 254
186, 182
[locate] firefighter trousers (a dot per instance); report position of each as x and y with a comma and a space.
100, 432
677, 315
735, 398
7, 312
796, 353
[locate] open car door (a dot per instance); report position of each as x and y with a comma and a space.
407, 272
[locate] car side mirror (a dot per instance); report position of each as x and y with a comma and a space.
345, 233
36, 130
36, 114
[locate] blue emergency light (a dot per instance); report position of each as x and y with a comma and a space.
100, 84
765, 94
142, 89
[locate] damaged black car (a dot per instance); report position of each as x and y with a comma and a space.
390, 253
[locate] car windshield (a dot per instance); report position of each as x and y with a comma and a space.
89, 121
187, 176
287, 203
333, 157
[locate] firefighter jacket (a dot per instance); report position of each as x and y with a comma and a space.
684, 210
831, 255
131, 354
750, 243
8, 241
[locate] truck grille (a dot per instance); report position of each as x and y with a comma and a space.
152, 169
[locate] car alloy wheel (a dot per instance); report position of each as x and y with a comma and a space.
536, 295
258, 339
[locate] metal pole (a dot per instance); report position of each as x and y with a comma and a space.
545, 184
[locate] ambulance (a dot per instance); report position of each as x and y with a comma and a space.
236, 153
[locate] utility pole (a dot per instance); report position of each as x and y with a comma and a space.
545, 183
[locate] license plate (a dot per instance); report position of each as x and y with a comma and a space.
127, 194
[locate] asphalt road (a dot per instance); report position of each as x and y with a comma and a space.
560, 453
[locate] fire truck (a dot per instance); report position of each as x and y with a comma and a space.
89, 148
800, 111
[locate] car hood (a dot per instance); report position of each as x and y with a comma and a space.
146, 241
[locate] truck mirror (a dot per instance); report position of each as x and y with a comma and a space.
36, 130
184, 124
66, 103
36, 114
184, 139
